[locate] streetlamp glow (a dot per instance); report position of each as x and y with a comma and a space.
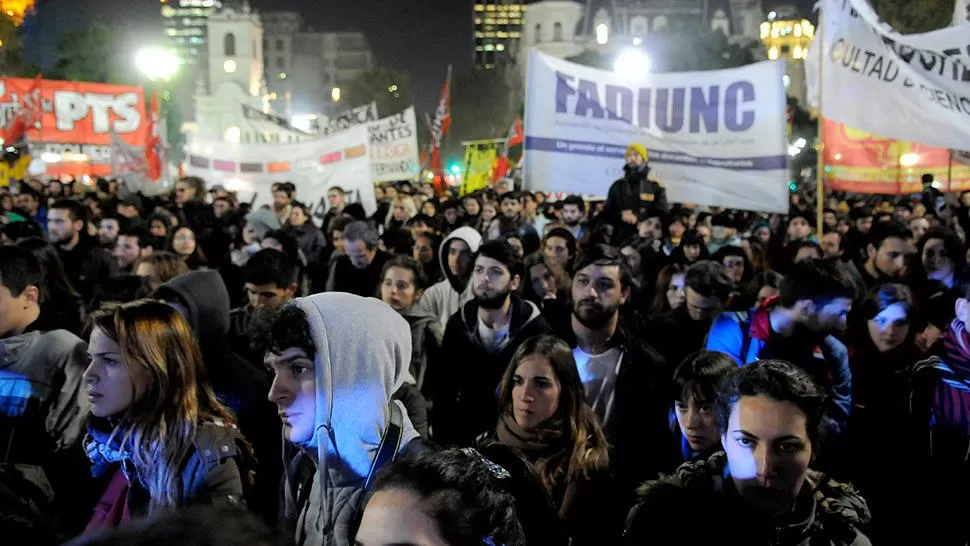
157, 63
632, 63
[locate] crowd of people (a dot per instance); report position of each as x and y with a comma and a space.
496, 368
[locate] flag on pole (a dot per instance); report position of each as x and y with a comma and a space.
441, 123
27, 115
153, 146
511, 152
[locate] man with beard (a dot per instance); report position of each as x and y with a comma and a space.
478, 344
888, 254
797, 326
85, 263
574, 215
625, 379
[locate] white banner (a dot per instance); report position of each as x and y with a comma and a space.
910, 87
394, 147
314, 166
714, 138
961, 12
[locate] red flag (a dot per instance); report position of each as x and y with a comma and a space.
153, 145
442, 121
27, 116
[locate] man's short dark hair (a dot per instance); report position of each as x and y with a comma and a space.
338, 189
575, 200
270, 266
75, 210
605, 256
340, 224
508, 196
709, 279
565, 235
19, 268
419, 277
502, 252
277, 329
887, 230
816, 280
145, 238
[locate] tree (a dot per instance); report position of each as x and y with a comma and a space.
92, 55
12, 60
389, 88
908, 16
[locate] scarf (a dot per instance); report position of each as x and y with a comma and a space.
102, 450
546, 448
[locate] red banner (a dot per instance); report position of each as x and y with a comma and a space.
857, 161
77, 121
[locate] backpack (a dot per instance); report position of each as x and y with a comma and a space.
940, 405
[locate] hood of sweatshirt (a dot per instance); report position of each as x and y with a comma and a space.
472, 238
205, 296
357, 373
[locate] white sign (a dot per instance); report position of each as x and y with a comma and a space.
714, 138
394, 147
314, 166
910, 87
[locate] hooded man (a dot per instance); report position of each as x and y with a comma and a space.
339, 419
202, 299
445, 298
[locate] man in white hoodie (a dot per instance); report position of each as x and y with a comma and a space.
456, 258
333, 386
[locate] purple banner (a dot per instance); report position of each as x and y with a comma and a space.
600, 149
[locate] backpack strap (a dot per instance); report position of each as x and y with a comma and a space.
390, 442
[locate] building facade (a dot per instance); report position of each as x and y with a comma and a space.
566, 28
498, 29
306, 70
787, 36
185, 26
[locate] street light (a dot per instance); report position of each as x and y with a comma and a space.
157, 63
632, 63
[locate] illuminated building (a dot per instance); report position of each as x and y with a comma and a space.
16, 9
185, 26
498, 28
788, 37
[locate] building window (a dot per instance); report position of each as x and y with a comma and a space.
557, 32
538, 34
659, 22
279, 45
229, 45
602, 34
280, 63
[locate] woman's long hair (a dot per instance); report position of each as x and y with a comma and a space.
660, 304
159, 428
588, 450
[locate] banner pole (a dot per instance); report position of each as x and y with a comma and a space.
949, 170
820, 149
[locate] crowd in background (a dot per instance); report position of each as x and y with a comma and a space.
497, 368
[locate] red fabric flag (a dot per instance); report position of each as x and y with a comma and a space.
27, 116
153, 144
442, 121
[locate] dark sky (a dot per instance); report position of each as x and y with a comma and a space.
420, 37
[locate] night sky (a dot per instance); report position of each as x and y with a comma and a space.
420, 37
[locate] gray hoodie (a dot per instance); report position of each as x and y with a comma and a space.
357, 372
445, 298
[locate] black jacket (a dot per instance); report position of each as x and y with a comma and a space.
639, 433
345, 277
466, 387
87, 265
634, 192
